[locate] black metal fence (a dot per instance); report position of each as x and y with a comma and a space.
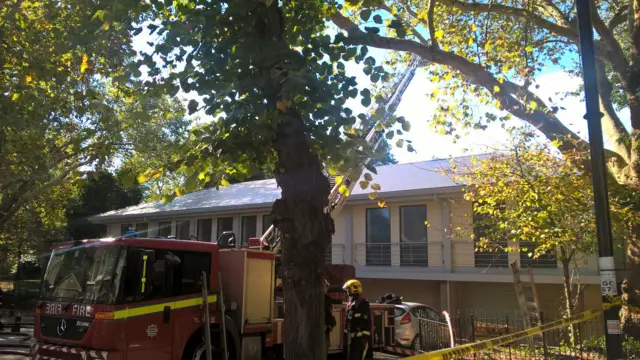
584, 340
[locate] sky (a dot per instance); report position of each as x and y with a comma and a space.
417, 107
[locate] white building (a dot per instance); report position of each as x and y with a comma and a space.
391, 248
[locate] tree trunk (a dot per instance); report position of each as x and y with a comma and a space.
299, 214
306, 231
568, 297
630, 322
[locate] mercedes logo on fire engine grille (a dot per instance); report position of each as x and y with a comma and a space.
62, 327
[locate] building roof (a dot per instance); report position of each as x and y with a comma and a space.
396, 180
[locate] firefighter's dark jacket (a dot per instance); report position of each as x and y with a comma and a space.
358, 321
329, 320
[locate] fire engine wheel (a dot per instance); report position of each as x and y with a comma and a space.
200, 353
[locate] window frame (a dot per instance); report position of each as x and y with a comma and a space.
162, 227
178, 228
385, 260
219, 229
244, 240
425, 262
210, 239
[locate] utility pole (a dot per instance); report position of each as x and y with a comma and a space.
606, 263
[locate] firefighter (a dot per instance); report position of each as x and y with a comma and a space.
358, 327
329, 320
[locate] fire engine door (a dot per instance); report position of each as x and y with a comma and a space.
150, 335
150, 320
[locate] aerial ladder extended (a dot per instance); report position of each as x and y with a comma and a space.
374, 134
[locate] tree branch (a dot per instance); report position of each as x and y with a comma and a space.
613, 128
618, 18
565, 31
617, 56
12, 209
432, 27
414, 32
511, 96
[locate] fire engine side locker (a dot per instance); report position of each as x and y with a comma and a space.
248, 281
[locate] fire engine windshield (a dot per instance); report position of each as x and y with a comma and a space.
86, 274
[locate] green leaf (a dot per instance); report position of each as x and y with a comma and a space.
406, 126
365, 102
389, 135
368, 177
372, 30
364, 184
400, 143
365, 15
192, 106
375, 187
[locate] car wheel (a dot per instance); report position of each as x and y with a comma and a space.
416, 344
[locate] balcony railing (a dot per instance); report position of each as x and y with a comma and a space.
335, 254
495, 255
403, 254
547, 260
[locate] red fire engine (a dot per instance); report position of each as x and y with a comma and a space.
141, 298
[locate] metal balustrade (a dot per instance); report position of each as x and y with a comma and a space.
403, 254
335, 254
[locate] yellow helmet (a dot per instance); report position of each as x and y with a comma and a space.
353, 287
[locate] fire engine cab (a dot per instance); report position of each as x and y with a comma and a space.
142, 298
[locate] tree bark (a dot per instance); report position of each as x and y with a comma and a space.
299, 214
306, 231
630, 321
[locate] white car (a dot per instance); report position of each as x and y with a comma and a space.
417, 321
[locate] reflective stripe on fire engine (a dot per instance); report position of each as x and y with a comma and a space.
155, 308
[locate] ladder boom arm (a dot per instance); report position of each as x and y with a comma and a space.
374, 136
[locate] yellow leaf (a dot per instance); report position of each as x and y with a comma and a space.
498, 104
85, 63
368, 177
142, 178
28, 78
533, 105
496, 89
529, 48
439, 34
364, 184
373, 195
488, 46
382, 203
224, 182
375, 187
15, 96
446, 48
470, 42
500, 79
344, 190
448, 77
426, 223
338, 179
473, 27
505, 68
179, 192
105, 25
